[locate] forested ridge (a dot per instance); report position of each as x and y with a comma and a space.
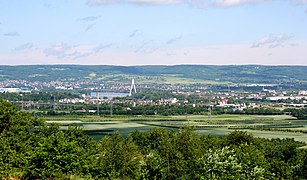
31, 150
232, 73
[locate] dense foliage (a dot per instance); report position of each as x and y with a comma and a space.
260, 111
38, 97
31, 150
299, 113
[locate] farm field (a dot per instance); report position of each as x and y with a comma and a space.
224, 118
217, 125
257, 133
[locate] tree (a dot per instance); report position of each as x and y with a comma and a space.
238, 137
59, 154
120, 158
221, 164
17, 138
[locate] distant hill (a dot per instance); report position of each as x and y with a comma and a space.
226, 73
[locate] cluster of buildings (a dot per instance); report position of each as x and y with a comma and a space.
218, 98
14, 90
89, 84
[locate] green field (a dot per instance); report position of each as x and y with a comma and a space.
217, 125
216, 118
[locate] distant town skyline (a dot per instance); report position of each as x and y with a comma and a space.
152, 32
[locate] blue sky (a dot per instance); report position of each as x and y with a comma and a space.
140, 32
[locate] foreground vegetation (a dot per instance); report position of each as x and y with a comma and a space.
31, 150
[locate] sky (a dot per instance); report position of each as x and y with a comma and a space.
153, 32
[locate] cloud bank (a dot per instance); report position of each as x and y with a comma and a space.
300, 1
271, 41
237, 2
232, 54
11, 34
23, 47
196, 3
67, 51
173, 40
150, 2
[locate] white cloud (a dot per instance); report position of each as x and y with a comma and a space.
237, 2
153, 2
23, 47
65, 51
61, 50
90, 26
300, 1
11, 34
157, 2
196, 3
134, 33
47, 5
146, 47
89, 18
101, 47
271, 41
173, 40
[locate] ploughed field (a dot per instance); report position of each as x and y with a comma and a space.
264, 126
